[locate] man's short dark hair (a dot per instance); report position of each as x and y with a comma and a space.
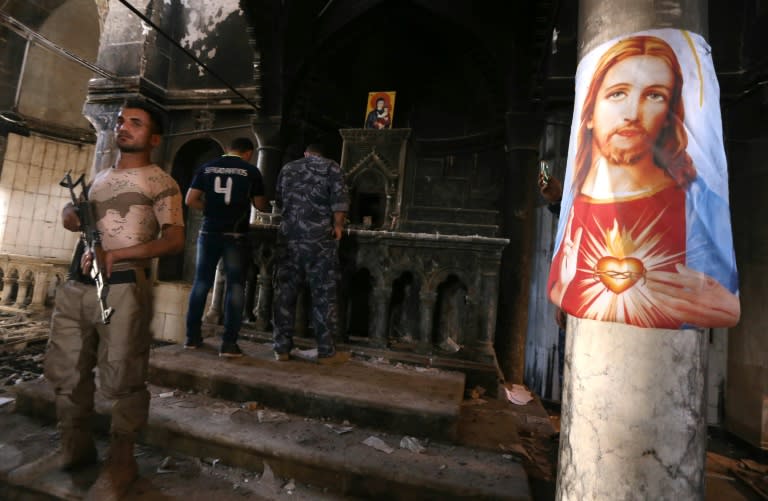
315, 148
156, 114
241, 145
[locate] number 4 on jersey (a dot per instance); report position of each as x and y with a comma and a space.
226, 190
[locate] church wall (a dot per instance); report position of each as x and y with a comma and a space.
31, 198
215, 32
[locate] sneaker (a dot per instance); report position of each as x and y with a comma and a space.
337, 358
193, 344
282, 357
230, 350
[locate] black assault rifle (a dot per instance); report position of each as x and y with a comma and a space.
89, 237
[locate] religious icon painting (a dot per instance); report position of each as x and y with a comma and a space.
380, 110
644, 236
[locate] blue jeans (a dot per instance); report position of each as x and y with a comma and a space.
210, 248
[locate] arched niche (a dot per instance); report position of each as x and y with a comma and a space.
450, 315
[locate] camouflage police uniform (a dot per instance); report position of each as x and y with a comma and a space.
309, 191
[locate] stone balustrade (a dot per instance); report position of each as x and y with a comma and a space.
29, 282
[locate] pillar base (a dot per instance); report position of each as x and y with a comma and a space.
633, 413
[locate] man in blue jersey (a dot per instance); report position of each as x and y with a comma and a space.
224, 190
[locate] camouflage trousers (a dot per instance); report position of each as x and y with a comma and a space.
317, 263
80, 342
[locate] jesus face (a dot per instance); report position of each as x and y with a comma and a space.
631, 108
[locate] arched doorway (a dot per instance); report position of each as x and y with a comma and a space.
189, 157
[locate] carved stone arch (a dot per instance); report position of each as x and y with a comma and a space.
373, 161
440, 275
373, 185
399, 268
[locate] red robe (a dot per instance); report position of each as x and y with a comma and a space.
621, 241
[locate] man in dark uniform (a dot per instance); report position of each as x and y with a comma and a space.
224, 190
314, 202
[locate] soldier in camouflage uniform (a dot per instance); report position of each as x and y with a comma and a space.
314, 202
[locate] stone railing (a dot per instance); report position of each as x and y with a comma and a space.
29, 282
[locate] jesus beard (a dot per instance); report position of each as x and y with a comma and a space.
625, 155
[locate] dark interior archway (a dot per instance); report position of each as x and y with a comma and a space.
187, 159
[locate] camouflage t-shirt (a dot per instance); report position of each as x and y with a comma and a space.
309, 190
132, 205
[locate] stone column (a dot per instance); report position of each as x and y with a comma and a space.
633, 422
5, 295
213, 314
633, 411
21, 294
427, 300
103, 117
270, 151
377, 319
523, 131
40, 291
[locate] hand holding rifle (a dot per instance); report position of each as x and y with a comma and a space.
94, 259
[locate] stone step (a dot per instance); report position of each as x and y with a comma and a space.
162, 475
311, 451
412, 401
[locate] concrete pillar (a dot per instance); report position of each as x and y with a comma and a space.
633, 412
270, 151
633, 422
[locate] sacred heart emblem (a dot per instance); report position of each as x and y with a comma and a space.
619, 274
